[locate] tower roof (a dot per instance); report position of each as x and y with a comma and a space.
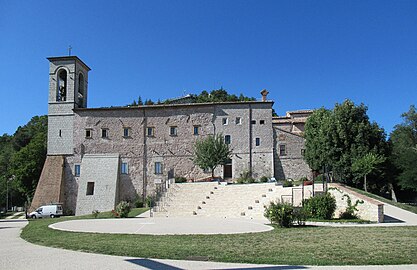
63, 58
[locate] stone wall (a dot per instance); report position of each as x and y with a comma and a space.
369, 209
291, 165
174, 152
102, 172
50, 188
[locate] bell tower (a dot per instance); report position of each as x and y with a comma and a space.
68, 84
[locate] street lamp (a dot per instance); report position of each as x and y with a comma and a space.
7, 191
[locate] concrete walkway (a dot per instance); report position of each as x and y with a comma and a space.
16, 254
164, 226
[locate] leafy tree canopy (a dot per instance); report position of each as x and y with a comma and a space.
365, 165
404, 149
211, 152
219, 95
23, 156
336, 138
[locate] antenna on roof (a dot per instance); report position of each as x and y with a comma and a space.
69, 50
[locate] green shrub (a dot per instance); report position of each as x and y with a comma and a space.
350, 209
95, 213
287, 183
280, 213
138, 202
321, 206
150, 201
246, 178
180, 179
300, 215
123, 209
264, 179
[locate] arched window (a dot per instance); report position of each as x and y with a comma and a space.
62, 86
81, 90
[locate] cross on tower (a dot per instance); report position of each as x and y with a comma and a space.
69, 50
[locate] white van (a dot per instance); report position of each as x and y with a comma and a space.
53, 210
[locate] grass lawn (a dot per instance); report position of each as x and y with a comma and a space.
293, 246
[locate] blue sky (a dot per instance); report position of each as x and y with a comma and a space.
308, 54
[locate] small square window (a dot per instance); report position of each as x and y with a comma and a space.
173, 131
303, 151
104, 133
238, 121
150, 131
77, 169
196, 130
88, 133
261, 122
227, 139
253, 122
225, 121
90, 188
258, 141
125, 168
158, 168
282, 150
126, 132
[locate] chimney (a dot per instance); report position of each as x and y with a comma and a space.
264, 94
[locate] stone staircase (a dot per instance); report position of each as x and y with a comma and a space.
211, 199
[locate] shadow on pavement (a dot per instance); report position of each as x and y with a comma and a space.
154, 265
150, 264
389, 219
282, 267
13, 220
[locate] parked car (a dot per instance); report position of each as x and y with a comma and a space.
52, 211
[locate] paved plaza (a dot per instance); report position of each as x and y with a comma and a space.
164, 226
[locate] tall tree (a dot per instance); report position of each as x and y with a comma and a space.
338, 137
211, 152
365, 165
404, 149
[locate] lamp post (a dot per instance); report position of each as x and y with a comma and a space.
7, 191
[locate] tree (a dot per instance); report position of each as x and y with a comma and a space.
365, 165
404, 149
336, 138
211, 152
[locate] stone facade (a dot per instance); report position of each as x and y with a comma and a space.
289, 145
155, 143
99, 183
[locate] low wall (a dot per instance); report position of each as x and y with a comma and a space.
370, 209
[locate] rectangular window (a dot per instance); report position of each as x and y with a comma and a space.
253, 122
224, 121
104, 133
173, 131
303, 151
90, 188
261, 122
282, 150
150, 131
258, 141
126, 132
227, 139
77, 169
88, 133
158, 168
125, 168
238, 121
196, 130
